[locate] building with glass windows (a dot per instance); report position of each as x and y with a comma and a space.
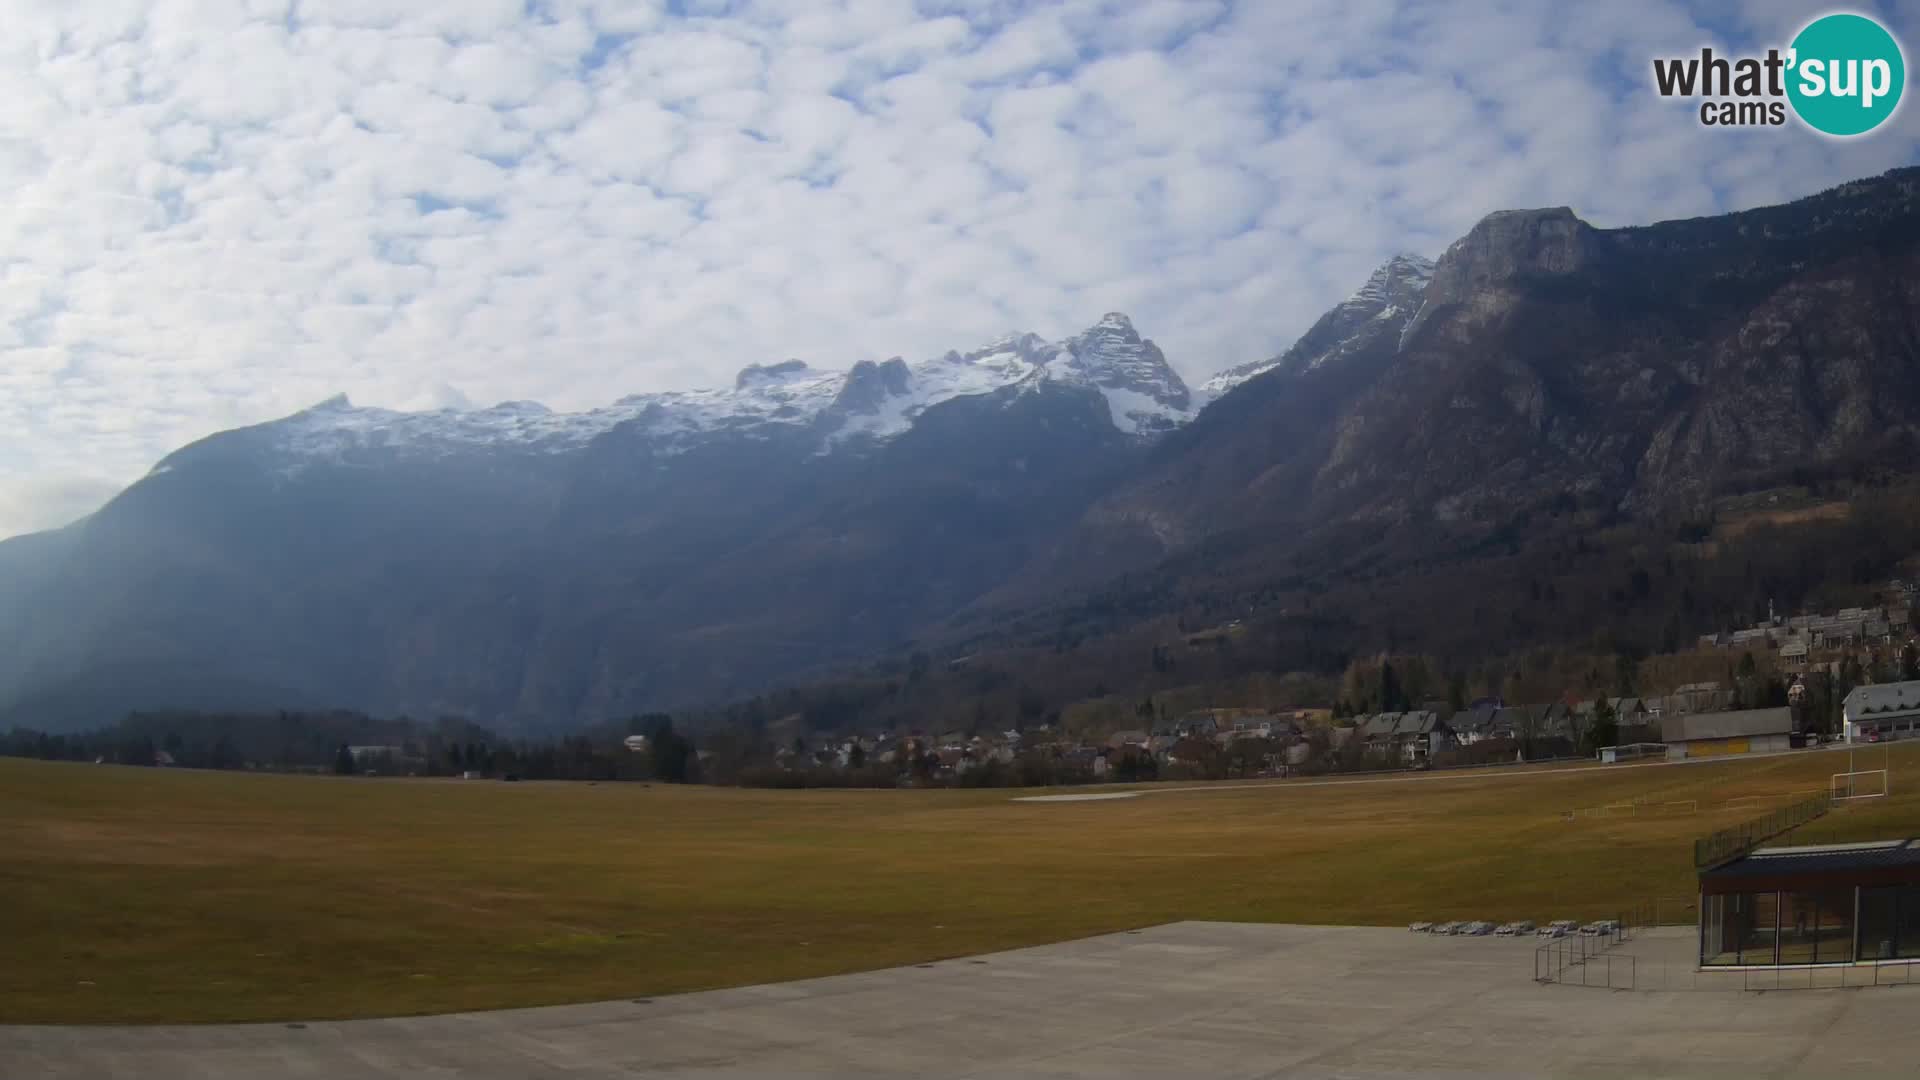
1883, 713
1831, 904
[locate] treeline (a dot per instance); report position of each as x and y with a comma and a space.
356, 743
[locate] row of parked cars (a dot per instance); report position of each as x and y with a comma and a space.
1523, 928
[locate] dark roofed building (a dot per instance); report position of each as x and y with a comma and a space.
1827, 904
1380, 727
1509, 722
1473, 724
1420, 733
1881, 713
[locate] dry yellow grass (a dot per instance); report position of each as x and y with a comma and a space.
136, 895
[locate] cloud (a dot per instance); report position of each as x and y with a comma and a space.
219, 212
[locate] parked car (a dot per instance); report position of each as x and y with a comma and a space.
1524, 926
1447, 928
1559, 928
1479, 929
1505, 929
1600, 928
1421, 927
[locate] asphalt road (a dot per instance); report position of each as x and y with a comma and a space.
1185, 1000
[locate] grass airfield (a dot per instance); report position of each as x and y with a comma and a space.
158, 896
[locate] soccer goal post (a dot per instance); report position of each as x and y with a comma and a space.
1864, 784
1681, 806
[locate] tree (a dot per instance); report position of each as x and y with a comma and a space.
142, 752
1909, 661
1625, 671
343, 761
1603, 730
857, 756
1133, 764
1392, 699
224, 755
670, 753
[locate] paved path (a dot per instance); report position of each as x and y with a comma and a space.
1185, 1000
1567, 769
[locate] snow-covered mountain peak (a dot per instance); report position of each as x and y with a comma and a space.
871, 400
785, 371
1391, 296
1143, 390
869, 386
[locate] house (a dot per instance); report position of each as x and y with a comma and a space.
1260, 727
1881, 713
1555, 721
1378, 730
1201, 723
1793, 651
1747, 731
1085, 757
1696, 697
1120, 740
1835, 632
1509, 722
1420, 734
1474, 724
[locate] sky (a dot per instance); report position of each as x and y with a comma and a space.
217, 213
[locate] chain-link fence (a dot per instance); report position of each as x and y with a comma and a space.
1726, 845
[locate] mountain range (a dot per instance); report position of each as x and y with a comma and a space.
517, 565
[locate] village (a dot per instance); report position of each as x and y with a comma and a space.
1863, 658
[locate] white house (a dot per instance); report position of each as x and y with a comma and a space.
1881, 713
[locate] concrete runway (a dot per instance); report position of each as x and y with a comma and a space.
1184, 1000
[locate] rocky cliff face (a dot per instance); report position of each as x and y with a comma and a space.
1641, 368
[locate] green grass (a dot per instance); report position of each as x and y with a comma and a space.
141, 895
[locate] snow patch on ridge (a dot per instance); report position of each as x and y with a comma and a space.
1385, 296
1143, 393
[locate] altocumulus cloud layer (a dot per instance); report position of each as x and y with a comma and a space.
215, 213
